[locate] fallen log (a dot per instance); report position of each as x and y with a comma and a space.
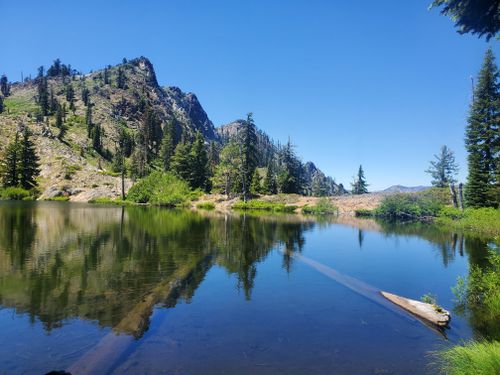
427, 311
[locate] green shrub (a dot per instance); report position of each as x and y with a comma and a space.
59, 198
478, 358
322, 207
263, 206
408, 206
484, 221
105, 200
206, 205
17, 194
162, 189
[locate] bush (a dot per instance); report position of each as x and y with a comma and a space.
206, 206
162, 189
322, 207
17, 194
364, 213
408, 206
263, 206
481, 221
478, 358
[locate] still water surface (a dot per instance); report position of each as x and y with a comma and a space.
98, 289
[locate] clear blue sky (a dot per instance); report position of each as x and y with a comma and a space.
378, 83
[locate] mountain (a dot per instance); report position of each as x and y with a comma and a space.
316, 182
404, 189
120, 98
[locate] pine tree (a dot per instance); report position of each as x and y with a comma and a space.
88, 120
248, 149
97, 138
52, 102
120, 79
359, 186
106, 76
167, 146
9, 163
290, 175
270, 181
227, 177
443, 169
43, 95
181, 161
199, 164
482, 138
85, 96
28, 162
4, 86
256, 185
1, 104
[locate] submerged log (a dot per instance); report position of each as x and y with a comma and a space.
422, 310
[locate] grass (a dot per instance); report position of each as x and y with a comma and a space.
322, 207
60, 198
478, 358
205, 206
483, 221
114, 201
161, 189
17, 194
16, 105
264, 206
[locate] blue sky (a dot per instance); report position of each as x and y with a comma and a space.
378, 83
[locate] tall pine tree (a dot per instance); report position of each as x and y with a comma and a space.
482, 138
28, 162
167, 147
10, 163
359, 186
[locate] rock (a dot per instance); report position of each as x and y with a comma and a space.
425, 311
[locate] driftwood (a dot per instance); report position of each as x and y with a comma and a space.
375, 295
422, 310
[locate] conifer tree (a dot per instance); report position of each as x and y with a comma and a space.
28, 162
106, 75
85, 96
97, 138
43, 95
227, 177
60, 122
482, 138
256, 186
4, 86
167, 147
270, 181
248, 149
359, 186
1, 104
443, 169
9, 163
290, 175
181, 162
52, 102
88, 120
120, 79
199, 164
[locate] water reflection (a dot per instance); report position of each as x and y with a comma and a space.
112, 265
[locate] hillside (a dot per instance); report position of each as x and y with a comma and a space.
116, 99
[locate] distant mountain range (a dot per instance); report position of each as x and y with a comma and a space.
404, 189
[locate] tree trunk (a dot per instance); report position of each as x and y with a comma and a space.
453, 195
460, 196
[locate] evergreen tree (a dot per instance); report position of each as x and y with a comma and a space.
248, 146
88, 120
43, 95
60, 122
120, 79
85, 96
97, 138
359, 186
482, 138
256, 185
227, 177
181, 161
270, 181
28, 162
106, 76
1, 104
70, 93
290, 175
52, 102
55, 69
444, 168
4, 86
199, 164
167, 146
9, 163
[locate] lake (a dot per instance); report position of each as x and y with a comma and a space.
135, 290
